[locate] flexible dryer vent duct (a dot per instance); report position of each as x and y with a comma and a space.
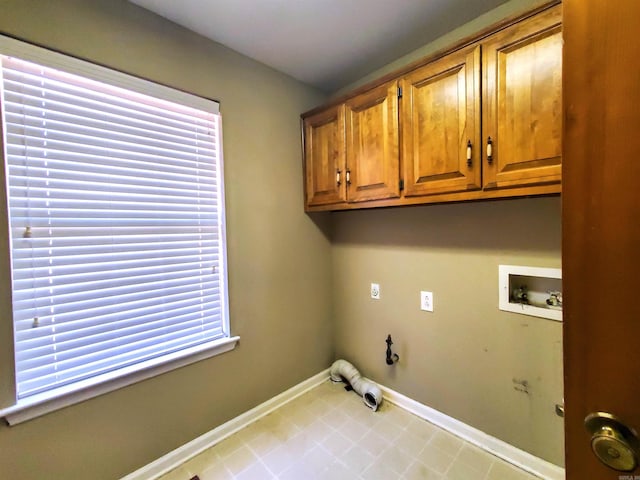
370, 392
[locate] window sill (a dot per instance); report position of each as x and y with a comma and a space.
47, 402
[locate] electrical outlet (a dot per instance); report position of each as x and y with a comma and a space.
426, 301
375, 291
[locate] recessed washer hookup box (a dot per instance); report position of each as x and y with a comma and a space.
531, 291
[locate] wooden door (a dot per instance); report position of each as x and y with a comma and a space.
601, 223
441, 125
324, 153
373, 162
522, 103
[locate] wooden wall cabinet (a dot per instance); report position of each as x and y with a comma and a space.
522, 102
351, 150
441, 125
372, 145
324, 153
481, 121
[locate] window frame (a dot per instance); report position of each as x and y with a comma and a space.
19, 410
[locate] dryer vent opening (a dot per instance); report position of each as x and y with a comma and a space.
370, 392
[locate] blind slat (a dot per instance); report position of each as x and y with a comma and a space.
74, 302
38, 127
70, 97
90, 334
30, 288
75, 145
32, 115
104, 159
54, 161
44, 136
70, 328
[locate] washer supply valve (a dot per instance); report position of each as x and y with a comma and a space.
391, 357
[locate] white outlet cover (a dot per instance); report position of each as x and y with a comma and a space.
375, 291
426, 301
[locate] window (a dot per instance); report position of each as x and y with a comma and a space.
116, 213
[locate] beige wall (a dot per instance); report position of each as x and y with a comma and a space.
461, 359
279, 293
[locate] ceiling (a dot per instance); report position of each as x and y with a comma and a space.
324, 43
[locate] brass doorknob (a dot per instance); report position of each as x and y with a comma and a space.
615, 444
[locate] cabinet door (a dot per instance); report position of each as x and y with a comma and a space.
441, 125
324, 152
522, 102
372, 145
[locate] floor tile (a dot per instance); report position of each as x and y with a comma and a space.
215, 472
389, 430
239, 460
504, 471
257, 471
419, 471
336, 443
463, 471
421, 429
410, 443
374, 443
446, 442
357, 459
336, 471
279, 459
353, 430
476, 458
436, 459
396, 460
299, 471
319, 430
318, 458
379, 470
399, 416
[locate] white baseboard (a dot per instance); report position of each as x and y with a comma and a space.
521, 459
492, 445
189, 450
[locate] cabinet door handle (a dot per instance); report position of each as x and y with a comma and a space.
338, 172
489, 151
469, 153
348, 177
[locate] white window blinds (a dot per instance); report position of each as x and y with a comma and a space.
117, 225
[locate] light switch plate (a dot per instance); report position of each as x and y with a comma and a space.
426, 301
375, 291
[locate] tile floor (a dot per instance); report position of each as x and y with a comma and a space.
329, 433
